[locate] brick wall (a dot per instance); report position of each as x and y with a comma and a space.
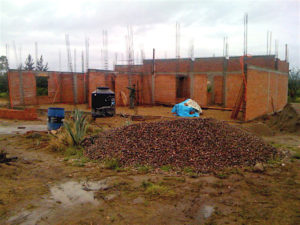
14, 87
60, 88
27, 114
165, 89
168, 65
122, 92
95, 79
232, 88
200, 89
132, 68
146, 92
218, 89
60, 85
67, 95
209, 64
266, 90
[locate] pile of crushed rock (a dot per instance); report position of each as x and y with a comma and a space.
203, 144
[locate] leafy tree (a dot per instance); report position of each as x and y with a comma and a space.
3, 74
40, 65
294, 84
3, 64
29, 63
3, 83
42, 85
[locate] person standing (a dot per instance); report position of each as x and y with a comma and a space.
132, 96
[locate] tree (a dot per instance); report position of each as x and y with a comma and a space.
3, 83
40, 65
29, 63
294, 84
3, 74
3, 64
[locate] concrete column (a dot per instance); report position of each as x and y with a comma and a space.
74, 76
153, 88
268, 100
84, 87
60, 87
210, 78
153, 79
225, 67
191, 79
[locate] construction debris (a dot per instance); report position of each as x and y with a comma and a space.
203, 144
5, 159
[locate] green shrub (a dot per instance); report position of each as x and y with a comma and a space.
3, 95
77, 126
41, 91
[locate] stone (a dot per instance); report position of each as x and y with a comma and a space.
259, 167
138, 200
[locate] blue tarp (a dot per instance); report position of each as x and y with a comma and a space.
184, 111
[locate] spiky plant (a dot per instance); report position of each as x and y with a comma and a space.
77, 126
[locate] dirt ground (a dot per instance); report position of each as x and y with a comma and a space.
164, 111
46, 187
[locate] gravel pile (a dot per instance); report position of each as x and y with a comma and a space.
203, 144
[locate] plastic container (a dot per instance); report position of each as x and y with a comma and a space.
55, 118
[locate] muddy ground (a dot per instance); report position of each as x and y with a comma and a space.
46, 187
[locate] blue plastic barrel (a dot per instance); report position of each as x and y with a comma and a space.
55, 118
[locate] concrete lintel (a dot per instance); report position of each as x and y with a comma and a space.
266, 70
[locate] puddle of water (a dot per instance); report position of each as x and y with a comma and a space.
207, 210
62, 197
23, 130
72, 192
204, 212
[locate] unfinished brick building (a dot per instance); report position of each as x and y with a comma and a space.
209, 81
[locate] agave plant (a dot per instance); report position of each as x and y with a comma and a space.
77, 126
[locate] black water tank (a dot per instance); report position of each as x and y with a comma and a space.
103, 102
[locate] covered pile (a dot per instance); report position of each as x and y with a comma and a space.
204, 144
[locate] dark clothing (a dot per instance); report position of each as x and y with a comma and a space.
132, 96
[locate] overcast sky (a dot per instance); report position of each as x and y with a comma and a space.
203, 23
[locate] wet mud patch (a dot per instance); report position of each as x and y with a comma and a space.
63, 198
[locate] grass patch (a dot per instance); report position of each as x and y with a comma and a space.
296, 155
274, 161
288, 147
178, 179
157, 189
112, 164
93, 130
222, 175
74, 152
190, 172
144, 169
166, 168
